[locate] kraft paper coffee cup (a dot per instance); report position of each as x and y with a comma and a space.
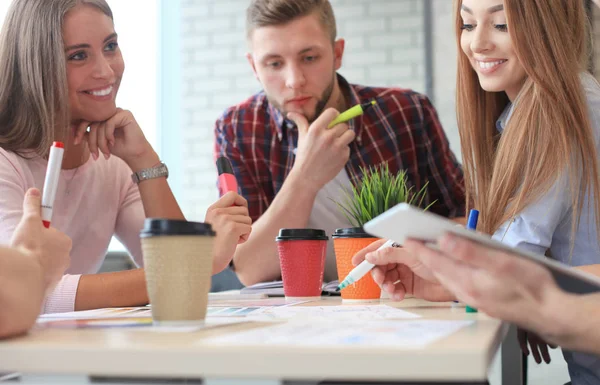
178, 257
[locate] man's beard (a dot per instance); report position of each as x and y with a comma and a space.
319, 108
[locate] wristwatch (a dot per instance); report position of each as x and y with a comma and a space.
157, 171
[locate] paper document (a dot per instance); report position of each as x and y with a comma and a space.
234, 295
275, 288
135, 323
255, 303
125, 317
349, 312
388, 334
116, 312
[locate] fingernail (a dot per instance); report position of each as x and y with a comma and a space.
106, 156
34, 192
94, 156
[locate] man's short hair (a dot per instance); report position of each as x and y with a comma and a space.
263, 13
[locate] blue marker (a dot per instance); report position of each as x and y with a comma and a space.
472, 225
472, 221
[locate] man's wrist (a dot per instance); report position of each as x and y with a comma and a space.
299, 182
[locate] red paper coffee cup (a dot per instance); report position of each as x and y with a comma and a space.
302, 258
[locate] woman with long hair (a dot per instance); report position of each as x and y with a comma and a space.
60, 70
529, 120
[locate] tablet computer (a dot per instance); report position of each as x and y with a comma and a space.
405, 221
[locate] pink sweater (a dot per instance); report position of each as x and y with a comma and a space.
92, 204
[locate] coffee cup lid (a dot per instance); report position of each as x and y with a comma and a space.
302, 235
351, 232
160, 226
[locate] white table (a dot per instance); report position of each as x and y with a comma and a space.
73, 355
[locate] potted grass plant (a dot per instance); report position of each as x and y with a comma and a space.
379, 191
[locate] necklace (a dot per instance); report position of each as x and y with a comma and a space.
68, 185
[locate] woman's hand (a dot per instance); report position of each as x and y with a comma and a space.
399, 273
121, 136
229, 218
539, 347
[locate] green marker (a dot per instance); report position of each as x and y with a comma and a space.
353, 112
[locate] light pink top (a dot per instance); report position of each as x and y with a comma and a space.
92, 204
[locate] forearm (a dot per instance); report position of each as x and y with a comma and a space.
21, 292
157, 198
123, 288
576, 323
592, 269
257, 260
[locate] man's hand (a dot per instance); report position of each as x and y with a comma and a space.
49, 247
229, 218
322, 152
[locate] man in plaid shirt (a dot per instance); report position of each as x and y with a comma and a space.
289, 166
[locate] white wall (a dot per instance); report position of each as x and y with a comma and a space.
444, 60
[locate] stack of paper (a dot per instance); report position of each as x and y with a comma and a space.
275, 288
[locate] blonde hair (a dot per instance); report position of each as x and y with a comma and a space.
263, 13
549, 133
34, 100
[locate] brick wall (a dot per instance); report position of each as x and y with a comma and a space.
384, 46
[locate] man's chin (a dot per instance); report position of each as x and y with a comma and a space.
309, 116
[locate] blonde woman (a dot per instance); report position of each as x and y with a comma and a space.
529, 121
60, 70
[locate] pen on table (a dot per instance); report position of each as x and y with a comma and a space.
51, 181
472, 225
227, 181
361, 270
353, 112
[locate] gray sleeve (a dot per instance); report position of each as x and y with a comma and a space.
534, 227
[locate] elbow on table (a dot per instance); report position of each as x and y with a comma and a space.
17, 325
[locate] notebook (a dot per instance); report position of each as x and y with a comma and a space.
275, 288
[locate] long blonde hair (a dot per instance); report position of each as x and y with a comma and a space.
549, 133
34, 99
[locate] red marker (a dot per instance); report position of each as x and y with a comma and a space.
227, 181
51, 182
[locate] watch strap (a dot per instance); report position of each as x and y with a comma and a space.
158, 171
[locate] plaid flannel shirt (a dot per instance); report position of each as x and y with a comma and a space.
402, 130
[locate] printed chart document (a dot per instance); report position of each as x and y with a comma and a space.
220, 312
135, 323
388, 334
343, 312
